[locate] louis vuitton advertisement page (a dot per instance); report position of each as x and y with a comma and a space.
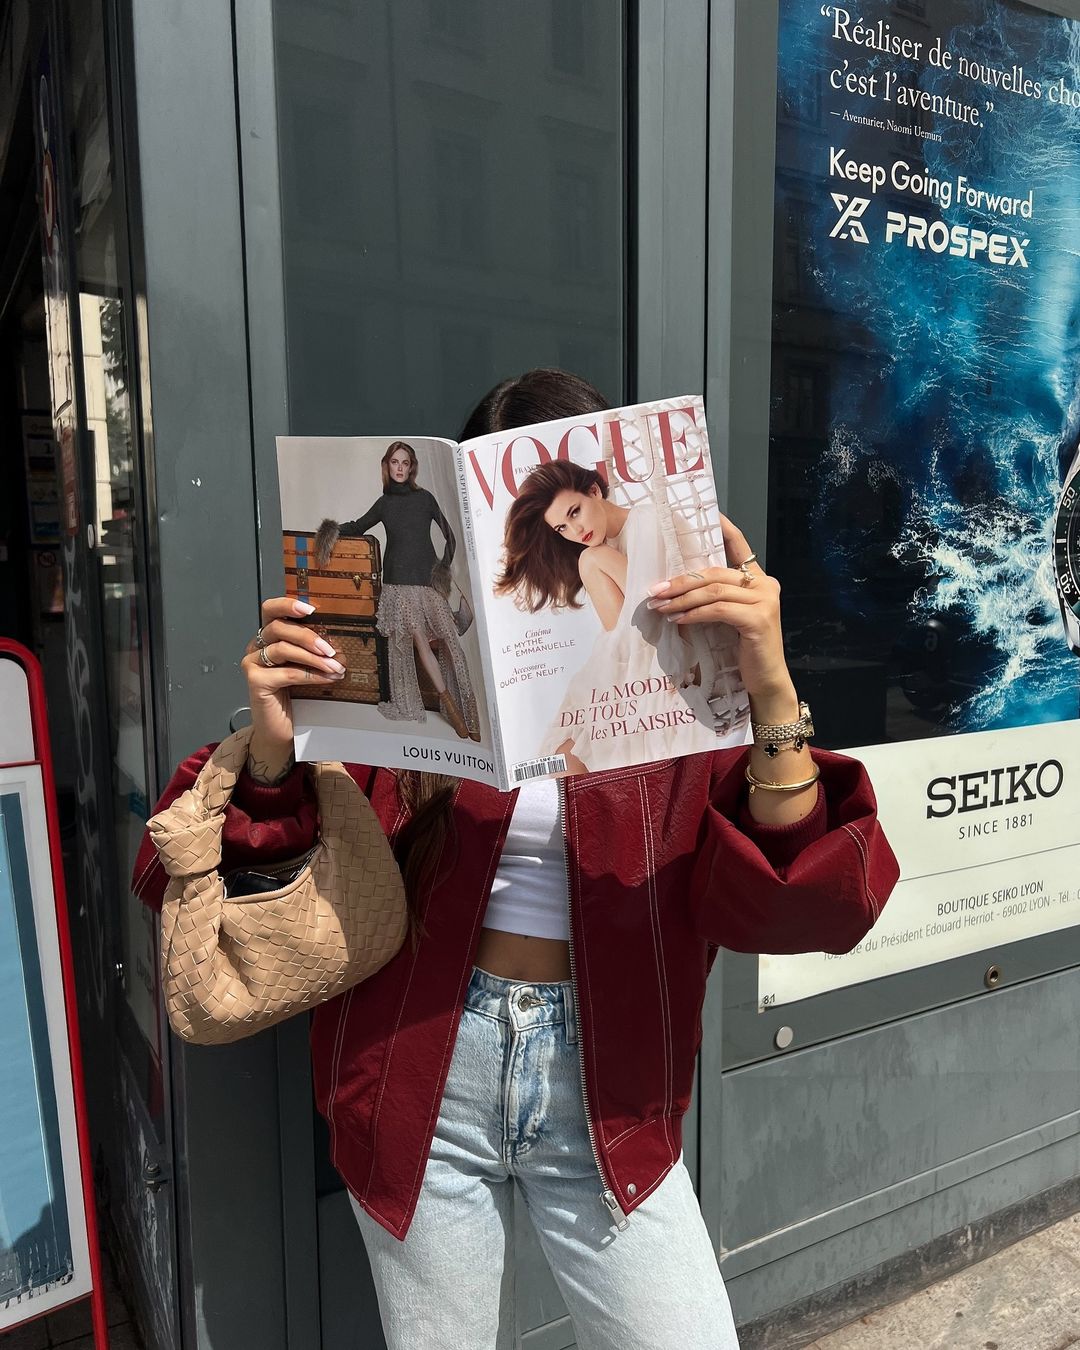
371, 536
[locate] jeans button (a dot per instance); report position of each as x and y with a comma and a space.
526, 1001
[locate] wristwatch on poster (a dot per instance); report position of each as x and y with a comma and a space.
1067, 553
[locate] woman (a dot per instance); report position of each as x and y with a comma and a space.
564, 536
541, 1028
412, 612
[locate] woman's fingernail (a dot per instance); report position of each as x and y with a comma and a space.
659, 588
337, 675
323, 647
336, 667
657, 604
302, 607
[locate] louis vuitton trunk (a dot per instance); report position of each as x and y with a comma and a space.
346, 586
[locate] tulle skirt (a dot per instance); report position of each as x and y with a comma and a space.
403, 611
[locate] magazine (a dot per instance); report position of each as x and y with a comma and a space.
488, 598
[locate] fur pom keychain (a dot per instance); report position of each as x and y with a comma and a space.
326, 537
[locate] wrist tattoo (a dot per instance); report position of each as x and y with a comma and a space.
259, 771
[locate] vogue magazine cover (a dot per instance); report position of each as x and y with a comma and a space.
489, 599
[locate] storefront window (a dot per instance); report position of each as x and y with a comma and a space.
454, 209
114, 515
454, 205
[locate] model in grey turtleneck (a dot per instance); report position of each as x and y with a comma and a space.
405, 513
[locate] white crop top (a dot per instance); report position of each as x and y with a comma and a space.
529, 892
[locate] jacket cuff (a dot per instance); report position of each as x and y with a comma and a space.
782, 844
259, 802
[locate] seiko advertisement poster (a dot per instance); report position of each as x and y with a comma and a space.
924, 426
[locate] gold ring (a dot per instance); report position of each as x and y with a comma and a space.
265, 659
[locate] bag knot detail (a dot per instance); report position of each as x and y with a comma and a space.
187, 847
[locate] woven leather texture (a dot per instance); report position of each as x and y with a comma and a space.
230, 967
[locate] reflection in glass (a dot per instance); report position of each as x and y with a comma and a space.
453, 205
109, 434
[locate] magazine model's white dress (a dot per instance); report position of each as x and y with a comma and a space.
642, 645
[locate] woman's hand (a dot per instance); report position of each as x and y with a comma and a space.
298, 656
721, 595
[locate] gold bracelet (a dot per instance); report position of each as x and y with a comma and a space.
780, 787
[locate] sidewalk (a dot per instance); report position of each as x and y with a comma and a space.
70, 1327
1026, 1297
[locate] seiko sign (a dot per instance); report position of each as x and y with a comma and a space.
985, 788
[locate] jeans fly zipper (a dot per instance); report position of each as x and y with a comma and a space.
607, 1195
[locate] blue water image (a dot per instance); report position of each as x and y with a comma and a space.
959, 402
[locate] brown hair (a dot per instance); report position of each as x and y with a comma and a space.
540, 395
540, 567
384, 464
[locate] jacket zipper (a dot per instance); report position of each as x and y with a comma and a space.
607, 1196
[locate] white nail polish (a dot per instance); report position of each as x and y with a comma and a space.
302, 607
323, 647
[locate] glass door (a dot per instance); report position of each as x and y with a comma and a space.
454, 209
91, 351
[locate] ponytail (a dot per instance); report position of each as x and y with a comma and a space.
429, 799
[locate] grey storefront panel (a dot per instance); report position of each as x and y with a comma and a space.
226, 1133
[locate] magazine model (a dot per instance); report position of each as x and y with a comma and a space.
488, 599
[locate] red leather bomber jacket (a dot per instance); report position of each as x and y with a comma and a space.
665, 865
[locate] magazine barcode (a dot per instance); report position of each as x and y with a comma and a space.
539, 768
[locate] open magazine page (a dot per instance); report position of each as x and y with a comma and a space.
372, 536
572, 522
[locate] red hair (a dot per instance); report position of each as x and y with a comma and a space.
384, 463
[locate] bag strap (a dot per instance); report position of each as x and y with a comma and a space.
187, 834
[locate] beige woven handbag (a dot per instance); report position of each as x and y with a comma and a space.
231, 966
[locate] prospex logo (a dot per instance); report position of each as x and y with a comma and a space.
850, 225
959, 241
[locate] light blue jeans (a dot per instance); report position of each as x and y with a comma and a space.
513, 1113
